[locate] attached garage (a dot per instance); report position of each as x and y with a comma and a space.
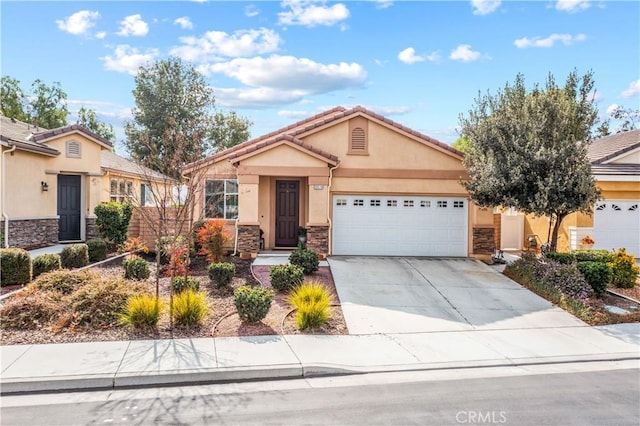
616, 224
397, 225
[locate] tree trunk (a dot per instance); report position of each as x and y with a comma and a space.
554, 235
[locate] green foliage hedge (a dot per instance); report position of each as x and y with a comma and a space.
45, 263
624, 269
597, 274
221, 273
112, 220
306, 259
15, 266
136, 268
252, 303
97, 250
564, 258
593, 255
74, 256
286, 277
182, 283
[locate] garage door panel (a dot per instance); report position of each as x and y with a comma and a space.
399, 225
616, 224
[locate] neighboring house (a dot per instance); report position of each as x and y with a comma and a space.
360, 183
51, 181
615, 222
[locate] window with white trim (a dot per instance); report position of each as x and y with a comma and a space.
121, 190
146, 195
458, 204
358, 203
221, 199
442, 204
374, 203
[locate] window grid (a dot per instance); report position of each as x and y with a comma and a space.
221, 199
442, 204
374, 203
425, 203
341, 202
458, 204
358, 203
392, 203
408, 203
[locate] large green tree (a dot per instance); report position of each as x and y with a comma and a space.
88, 119
173, 99
461, 144
529, 148
12, 99
45, 106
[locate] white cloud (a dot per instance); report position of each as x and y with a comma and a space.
566, 39
632, 90
485, 7
390, 110
79, 23
184, 22
294, 114
464, 53
612, 108
216, 45
103, 109
128, 59
311, 13
133, 25
408, 56
572, 6
100, 35
251, 11
383, 4
262, 97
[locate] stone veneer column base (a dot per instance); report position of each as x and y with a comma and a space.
248, 240
91, 229
32, 233
483, 239
318, 239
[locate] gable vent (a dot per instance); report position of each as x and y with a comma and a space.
358, 141
73, 149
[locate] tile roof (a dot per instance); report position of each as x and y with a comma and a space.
287, 138
310, 124
112, 161
48, 134
604, 149
14, 132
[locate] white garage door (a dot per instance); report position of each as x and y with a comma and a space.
391, 225
616, 224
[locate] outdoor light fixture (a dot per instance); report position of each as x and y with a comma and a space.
44, 186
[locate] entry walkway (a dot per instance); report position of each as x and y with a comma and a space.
56, 249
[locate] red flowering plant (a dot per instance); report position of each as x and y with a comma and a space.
178, 254
587, 240
212, 238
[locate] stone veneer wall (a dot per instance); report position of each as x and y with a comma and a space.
91, 228
31, 233
318, 239
483, 239
248, 240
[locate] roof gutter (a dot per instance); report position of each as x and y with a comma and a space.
4, 201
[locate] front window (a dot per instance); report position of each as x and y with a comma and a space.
221, 199
146, 196
121, 190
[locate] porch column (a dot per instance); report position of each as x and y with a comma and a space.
248, 218
318, 225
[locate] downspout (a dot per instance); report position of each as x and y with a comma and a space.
235, 244
329, 239
4, 201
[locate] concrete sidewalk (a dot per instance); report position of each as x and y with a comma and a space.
108, 365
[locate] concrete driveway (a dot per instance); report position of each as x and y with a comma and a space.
407, 295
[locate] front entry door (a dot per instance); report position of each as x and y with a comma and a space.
287, 212
68, 207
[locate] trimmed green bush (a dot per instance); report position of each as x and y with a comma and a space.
112, 220
190, 307
597, 274
252, 303
313, 304
64, 281
15, 266
221, 273
286, 277
624, 269
564, 258
182, 283
306, 259
74, 256
136, 268
593, 255
45, 263
97, 250
142, 311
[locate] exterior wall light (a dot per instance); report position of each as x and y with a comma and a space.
44, 186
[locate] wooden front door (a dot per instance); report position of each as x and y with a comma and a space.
68, 208
287, 212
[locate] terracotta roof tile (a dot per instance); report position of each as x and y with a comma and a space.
68, 129
609, 147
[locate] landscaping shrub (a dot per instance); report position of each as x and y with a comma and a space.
190, 307
597, 274
624, 269
593, 255
64, 281
286, 277
74, 256
182, 283
112, 220
212, 237
29, 310
564, 258
565, 278
15, 266
252, 303
221, 273
142, 311
97, 250
176, 252
197, 226
136, 268
313, 304
306, 259
45, 263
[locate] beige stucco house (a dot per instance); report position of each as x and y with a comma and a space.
360, 183
51, 181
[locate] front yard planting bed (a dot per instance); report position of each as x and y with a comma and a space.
220, 321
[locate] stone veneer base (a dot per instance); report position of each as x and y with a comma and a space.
32, 233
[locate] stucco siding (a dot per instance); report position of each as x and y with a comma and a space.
89, 162
24, 197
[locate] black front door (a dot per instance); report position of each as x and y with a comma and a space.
287, 209
68, 207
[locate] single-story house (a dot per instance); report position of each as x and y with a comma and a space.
615, 222
51, 181
360, 183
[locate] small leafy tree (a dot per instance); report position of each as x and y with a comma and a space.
89, 120
112, 220
212, 238
528, 148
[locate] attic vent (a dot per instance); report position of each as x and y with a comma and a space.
358, 140
73, 149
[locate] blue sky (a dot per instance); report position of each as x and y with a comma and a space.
418, 62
